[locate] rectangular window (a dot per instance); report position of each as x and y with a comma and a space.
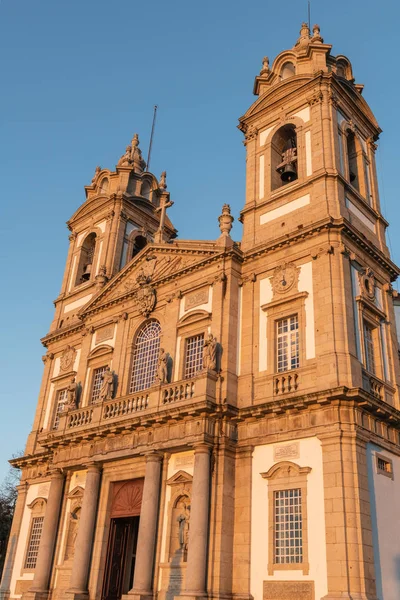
194, 355
288, 527
341, 162
61, 402
97, 381
384, 466
288, 352
34, 541
369, 348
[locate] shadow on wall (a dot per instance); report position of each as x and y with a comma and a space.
176, 575
374, 520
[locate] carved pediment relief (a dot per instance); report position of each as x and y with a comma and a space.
77, 492
141, 276
285, 469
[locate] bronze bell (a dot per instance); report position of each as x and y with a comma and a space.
289, 173
86, 272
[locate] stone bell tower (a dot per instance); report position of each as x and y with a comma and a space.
124, 210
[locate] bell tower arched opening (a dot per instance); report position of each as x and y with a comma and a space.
85, 265
284, 156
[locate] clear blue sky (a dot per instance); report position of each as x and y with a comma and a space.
79, 77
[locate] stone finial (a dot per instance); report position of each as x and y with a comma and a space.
96, 173
162, 184
316, 38
136, 155
265, 68
101, 278
304, 38
225, 220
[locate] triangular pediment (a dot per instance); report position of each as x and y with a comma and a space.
154, 265
77, 492
180, 477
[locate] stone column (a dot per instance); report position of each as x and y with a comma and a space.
49, 534
146, 545
199, 523
84, 539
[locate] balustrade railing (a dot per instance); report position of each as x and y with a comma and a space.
81, 417
126, 406
180, 391
283, 384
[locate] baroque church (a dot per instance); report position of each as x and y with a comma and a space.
221, 419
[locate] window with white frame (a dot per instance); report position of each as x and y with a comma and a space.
97, 383
145, 357
62, 398
369, 347
34, 541
194, 355
287, 344
288, 527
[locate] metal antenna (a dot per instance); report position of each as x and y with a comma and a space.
309, 14
151, 136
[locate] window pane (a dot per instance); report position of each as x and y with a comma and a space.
61, 402
34, 541
97, 381
369, 348
194, 355
287, 344
288, 532
145, 357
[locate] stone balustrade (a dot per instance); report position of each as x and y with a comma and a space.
155, 399
286, 383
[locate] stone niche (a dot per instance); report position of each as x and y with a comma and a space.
288, 590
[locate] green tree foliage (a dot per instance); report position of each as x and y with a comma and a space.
8, 497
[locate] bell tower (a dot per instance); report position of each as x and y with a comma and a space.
310, 141
124, 210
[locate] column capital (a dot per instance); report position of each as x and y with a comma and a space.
202, 448
94, 467
57, 473
153, 456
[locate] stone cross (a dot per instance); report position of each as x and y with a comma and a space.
165, 203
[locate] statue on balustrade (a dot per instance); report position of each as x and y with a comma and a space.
72, 395
162, 368
107, 385
210, 353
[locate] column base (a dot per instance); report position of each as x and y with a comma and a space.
132, 595
192, 596
76, 595
349, 596
36, 595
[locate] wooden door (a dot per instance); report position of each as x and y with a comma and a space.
118, 564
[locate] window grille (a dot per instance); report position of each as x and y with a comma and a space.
288, 348
97, 382
194, 355
61, 402
145, 357
288, 524
384, 466
34, 541
369, 348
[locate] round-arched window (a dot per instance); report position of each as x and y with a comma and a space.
145, 357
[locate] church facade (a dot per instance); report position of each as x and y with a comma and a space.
221, 419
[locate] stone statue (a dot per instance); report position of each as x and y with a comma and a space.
72, 395
265, 67
96, 173
210, 353
125, 159
162, 374
183, 521
107, 386
162, 184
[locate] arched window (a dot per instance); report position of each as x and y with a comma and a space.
86, 259
283, 157
138, 244
145, 357
146, 189
103, 189
288, 70
352, 159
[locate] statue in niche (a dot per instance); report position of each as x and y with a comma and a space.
183, 521
162, 372
107, 385
210, 353
72, 534
180, 523
72, 395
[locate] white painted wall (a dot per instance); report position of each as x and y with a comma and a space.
77, 304
308, 153
266, 294
261, 180
207, 306
35, 491
360, 215
182, 461
306, 285
109, 342
78, 478
289, 207
263, 459
385, 505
